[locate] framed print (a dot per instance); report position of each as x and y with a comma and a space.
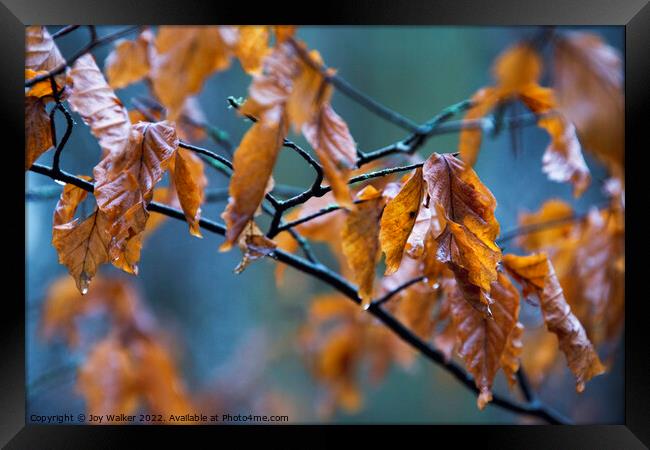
411, 216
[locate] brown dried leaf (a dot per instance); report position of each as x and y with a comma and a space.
38, 135
310, 91
398, 220
186, 57
189, 180
253, 165
535, 272
41, 53
554, 211
269, 90
130, 61
466, 243
360, 240
594, 277
70, 199
252, 47
283, 32
588, 79
42, 88
469, 139
82, 246
482, 341
97, 104
108, 379
517, 67
330, 137
125, 183
64, 306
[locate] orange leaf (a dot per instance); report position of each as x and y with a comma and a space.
42, 88
328, 134
186, 57
360, 239
38, 135
64, 306
108, 379
253, 165
67, 205
124, 186
517, 67
160, 383
252, 47
82, 246
284, 32
97, 104
482, 341
469, 140
270, 89
189, 179
129, 61
466, 243
535, 272
398, 220
554, 211
588, 79
309, 93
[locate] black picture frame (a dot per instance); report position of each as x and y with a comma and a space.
634, 15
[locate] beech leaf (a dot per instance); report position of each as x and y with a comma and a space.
398, 220
82, 247
252, 47
482, 341
98, 106
253, 165
310, 91
130, 61
189, 180
360, 238
125, 183
38, 134
185, 57
330, 137
588, 80
466, 243
535, 272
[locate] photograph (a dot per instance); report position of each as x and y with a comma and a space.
281, 224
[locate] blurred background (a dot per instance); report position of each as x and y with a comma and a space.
228, 327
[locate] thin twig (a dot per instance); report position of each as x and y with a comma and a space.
65, 30
390, 294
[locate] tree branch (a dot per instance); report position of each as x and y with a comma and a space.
538, 409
